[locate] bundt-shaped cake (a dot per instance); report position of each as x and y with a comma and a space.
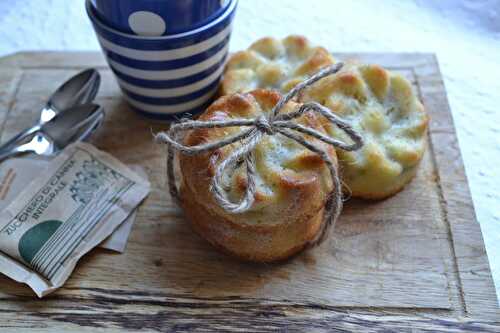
383, 108
292, 184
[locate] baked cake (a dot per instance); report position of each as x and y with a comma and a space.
383, 108
292, 183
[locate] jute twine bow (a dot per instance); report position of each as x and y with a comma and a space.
274, 123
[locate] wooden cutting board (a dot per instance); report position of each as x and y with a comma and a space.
414, 261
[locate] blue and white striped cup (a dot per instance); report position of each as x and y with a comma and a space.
167, 77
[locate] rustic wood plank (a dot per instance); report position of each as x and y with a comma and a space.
476, 285
390, 60
385, 235
54, 60
119, 311
413, 262
10, 80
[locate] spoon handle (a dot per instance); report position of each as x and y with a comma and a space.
8, 153
7, 146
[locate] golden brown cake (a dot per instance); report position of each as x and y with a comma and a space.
292, 184
270, 63
384, 109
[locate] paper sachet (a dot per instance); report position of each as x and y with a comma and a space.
17, 173
72, 206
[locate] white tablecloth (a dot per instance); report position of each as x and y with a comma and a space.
465, 34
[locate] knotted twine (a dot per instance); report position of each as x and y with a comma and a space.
274, 123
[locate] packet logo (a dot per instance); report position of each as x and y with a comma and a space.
93, 176
35, 238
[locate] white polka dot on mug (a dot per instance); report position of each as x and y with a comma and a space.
145, 23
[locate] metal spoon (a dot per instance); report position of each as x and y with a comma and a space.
66, 127
72, 125
78, 90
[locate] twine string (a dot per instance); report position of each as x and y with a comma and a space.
255, 129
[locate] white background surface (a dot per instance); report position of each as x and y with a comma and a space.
465, 34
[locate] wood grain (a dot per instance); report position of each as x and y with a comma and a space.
457, 209
413, 262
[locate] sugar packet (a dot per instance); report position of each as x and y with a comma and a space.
17, 173
72, 206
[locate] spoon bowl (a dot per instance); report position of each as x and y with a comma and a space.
72, 124
78, 90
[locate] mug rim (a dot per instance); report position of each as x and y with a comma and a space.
223, 16
120, 24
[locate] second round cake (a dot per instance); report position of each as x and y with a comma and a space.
380, 105
384, 109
